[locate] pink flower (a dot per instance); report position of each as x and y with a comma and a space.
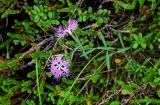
59, 67
72, 24
63, 30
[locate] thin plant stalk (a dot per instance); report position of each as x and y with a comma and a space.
78, 41
80, 75
37, 81
89, 79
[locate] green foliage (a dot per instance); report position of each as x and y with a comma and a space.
127, 88
27, 27
115, 103
147, 101
133, 3
9, 12
139, 40
5, 100
18, 38
9, 64
129, 6
43, 17
100, 16
113, 55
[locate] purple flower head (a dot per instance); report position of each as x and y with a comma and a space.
59, 67
72, 24
61, 31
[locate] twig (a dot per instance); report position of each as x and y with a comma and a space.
43, 69
121, 31
118, 91
103, 2
34, 48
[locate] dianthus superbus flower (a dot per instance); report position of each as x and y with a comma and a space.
72, 24
59, 67
63, 30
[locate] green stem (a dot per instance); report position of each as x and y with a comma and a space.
122, 44
78, 41
89, 79
37, 81
80, 75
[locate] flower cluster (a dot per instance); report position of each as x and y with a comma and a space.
63, 30
59, 67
